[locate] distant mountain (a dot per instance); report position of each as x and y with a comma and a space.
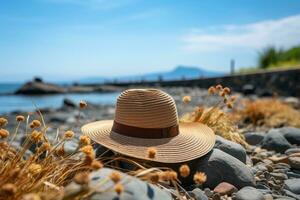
180, 72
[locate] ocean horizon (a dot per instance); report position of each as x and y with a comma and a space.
10, 102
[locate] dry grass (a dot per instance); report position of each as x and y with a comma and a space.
268, 113
44, 174
216, 117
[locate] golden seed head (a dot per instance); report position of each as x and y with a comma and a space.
9, 189
154, 178
36, 136
3, 133
45, 146
34, 168
152, 152
96, 165
84, 140
115, 176
20, 118
36, 123
200, 178
168, 175
222, 93
31, 196
219, 87
82, 178
186, 99
82, 104
229, 105
89, 158
233, 98
119, 188
60, 151
211, 90
69, 134
3, 121
88, 150
184, 170
226, 90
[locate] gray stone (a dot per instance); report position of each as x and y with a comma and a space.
222, 167
292, 134
134, 188
198, 194
69, 103
292, 195
292, 150
275, 141
232, 148
295, 162
293, 185
254, 138
249, 193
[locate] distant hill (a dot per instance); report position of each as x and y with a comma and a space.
180, 72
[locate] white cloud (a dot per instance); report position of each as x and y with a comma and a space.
284, 32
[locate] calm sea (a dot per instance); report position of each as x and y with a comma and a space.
9, 103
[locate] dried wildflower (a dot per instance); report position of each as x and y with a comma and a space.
168, 175
229, 105
69, 134
89, 158
45, 146
88, 150
3, 133
233, 98
186, 99
96, 164
115, 176
226, 90
184, 170
35, 124
153, 178
34, 168
222, 93
20, 118
82, 178
36, 136
200, 178
119, 188
60, 151
82, 104
211, 90
219, 87
152, 153
84, 140
3, 121
31, 196
9, 189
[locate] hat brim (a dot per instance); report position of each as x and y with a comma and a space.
193, 141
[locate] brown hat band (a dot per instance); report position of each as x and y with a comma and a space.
151, 133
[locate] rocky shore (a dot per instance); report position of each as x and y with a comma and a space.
269, 168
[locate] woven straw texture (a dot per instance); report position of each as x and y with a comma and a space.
150, 108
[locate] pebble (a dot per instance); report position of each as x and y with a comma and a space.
198, 194
295, 162
274, 140
222, 167
249, 193
232, 148
292, 185
292, 134
254, 138
225, 189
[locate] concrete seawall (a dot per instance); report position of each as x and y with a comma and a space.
282, 82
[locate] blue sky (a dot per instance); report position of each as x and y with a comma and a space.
71, 39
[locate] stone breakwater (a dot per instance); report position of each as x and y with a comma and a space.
282, 82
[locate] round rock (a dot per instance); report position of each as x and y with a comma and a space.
249, 193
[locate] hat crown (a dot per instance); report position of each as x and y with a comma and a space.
146, 108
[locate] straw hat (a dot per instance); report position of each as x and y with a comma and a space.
147, 118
